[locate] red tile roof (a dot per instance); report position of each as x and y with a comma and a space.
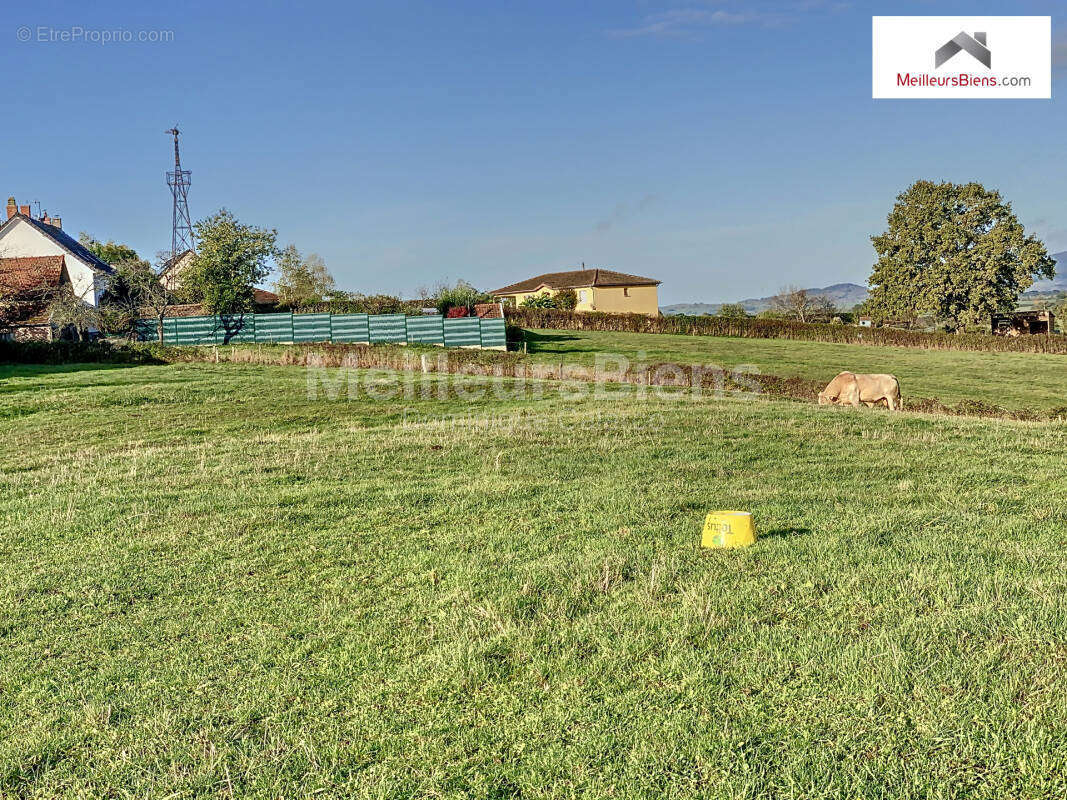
22, 275
578, 279
28, 281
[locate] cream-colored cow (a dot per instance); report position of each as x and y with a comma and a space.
851, 389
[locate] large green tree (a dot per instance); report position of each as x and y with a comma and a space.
231, 259
956, 251
109, 252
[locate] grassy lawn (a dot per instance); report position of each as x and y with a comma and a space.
214, 586
1011, 380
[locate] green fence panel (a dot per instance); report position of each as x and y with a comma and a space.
145, 330
388, 328
195, 330
237, 329
267, 328
350, 328
274, 328
311, 327
494, 333
463, 332
426, 330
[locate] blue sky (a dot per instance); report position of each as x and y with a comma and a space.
727, 147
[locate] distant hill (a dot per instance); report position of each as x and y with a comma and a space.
843, 295
846, 295
1057, 284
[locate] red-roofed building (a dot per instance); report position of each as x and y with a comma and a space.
27, 285
36, 258
597, 290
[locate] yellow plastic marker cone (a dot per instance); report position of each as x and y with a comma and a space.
728, 529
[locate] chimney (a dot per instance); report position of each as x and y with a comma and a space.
56, 222
24, 210
12, 209
45, 219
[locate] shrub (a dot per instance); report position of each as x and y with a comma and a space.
732, 311
566, 299
539, 301
460, 295
457, 311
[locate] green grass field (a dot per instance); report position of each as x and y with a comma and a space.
213, 586
1016, 381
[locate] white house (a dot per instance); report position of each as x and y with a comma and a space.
23, 237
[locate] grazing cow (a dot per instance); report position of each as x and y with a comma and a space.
851, 389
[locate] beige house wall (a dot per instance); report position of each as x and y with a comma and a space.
613, 299
627, 299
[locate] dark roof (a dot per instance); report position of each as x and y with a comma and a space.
578, 279
72, 246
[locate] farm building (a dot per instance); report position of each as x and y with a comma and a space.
597, 290
1021, 323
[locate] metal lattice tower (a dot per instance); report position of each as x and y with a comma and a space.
181, 237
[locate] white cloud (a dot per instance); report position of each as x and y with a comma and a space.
684, 21
689, 22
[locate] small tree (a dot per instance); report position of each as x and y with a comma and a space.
956, 251
67, 311
732, 311
231, 259
566, 299
460, 294
799, 304
134, 289
302, 281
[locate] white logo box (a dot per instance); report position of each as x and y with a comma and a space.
1019, 50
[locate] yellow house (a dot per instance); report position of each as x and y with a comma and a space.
597, 290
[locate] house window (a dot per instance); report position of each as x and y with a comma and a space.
625, 291
583, 296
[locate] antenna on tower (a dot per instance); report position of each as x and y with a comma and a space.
181, 236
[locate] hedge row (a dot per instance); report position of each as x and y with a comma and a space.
752, 328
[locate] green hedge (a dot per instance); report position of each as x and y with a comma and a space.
64, 352
752, 328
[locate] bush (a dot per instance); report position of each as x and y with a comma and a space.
70, 352
460, 295
456, 312
732, 311
539, 301
566, 299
